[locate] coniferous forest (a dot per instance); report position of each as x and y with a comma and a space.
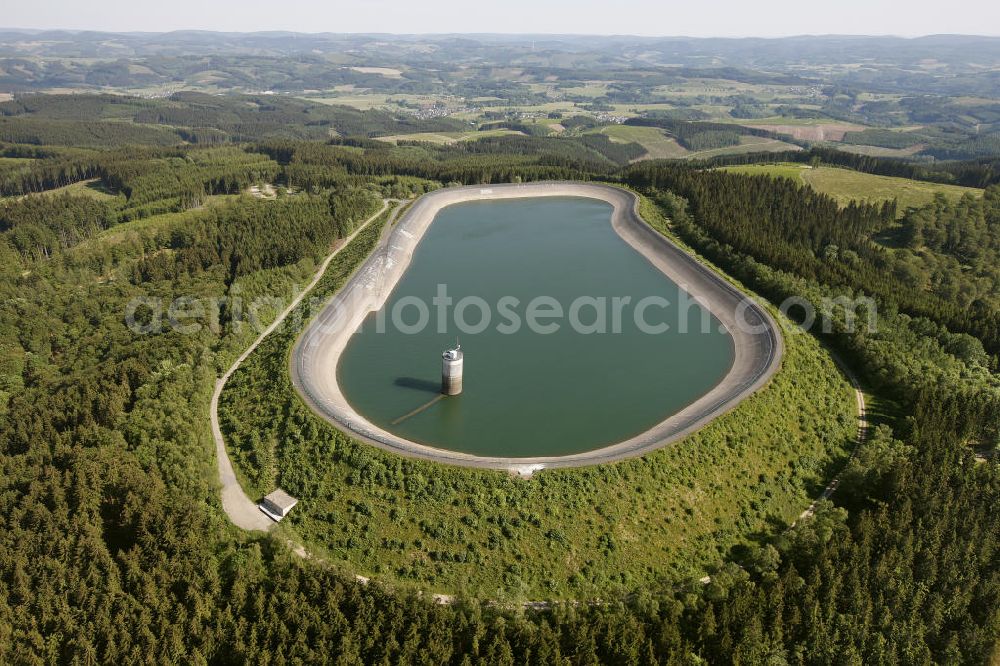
114, 547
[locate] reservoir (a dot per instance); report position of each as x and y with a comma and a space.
562, 390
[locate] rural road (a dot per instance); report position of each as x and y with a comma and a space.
243, 511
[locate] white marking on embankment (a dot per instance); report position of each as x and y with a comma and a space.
525, 471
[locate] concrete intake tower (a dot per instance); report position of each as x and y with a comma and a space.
451, 371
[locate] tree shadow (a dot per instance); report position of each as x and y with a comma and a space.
418, 384
774, 526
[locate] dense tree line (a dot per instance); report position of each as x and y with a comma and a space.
885, 138
115, 120
982, 145
152, 180
75, 107
468, 162
44, 132
47, 172
242, 239
619, 153
102, 460
188, 178
787, 226
912, 578
971, 173
953, 248
903, 356
968, 230
530, 129
711, 139
115, 549
40, 225
767, 214
699, 135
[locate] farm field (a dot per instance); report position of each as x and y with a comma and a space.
845, 185
89, 188
387, 72
822, 131
365, 101
657, 144
794, 122
443, 138
748, 144
877, 151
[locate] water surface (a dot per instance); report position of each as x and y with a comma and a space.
526, 393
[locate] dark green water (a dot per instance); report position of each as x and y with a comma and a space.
528, 393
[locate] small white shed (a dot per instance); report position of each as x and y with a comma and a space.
277, 504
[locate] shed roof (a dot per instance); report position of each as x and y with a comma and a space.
281, 499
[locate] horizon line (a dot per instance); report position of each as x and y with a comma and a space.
362, 33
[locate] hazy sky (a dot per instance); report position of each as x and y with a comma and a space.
765, 18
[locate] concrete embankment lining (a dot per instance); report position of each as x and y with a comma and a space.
757, 341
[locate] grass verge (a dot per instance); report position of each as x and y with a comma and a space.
846, 185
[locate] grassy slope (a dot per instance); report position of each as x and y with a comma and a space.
446, 137
877, 151
845, 185
657, 144
160, 222
748, 144
660, 146
565, 533
87, 188
782, 120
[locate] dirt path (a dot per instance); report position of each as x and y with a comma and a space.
243, 511
863, 426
